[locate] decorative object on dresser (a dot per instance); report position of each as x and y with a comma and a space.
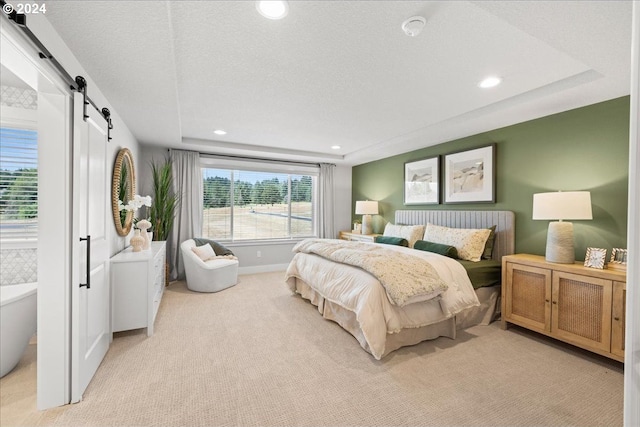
570, 302
366, 209
144, 225
618, 259
470, 176
561, 205
348, 235
357, 226
422, 182
137, 241
595, 258
137, 284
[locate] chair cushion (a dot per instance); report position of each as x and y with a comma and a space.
204, 252
217, 247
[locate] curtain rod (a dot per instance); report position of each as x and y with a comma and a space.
261, 159
79, 84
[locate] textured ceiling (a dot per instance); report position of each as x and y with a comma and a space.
342, 73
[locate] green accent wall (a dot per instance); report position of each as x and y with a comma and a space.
582, 149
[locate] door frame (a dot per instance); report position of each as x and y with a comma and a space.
54, 220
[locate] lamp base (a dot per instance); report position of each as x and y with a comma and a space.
367, 224
560, 243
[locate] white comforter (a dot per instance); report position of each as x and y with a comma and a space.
358, 291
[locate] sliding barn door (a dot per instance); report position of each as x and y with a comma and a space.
90, 296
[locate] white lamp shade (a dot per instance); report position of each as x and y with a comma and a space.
560, 205
368, 207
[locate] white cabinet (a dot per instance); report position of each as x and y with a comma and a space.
137, 284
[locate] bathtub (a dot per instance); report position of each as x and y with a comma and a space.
18, 317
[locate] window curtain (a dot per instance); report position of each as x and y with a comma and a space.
326, 228
187, 182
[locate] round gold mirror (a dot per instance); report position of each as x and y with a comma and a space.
122, 191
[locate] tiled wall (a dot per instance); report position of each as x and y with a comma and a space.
19, 265
18, 97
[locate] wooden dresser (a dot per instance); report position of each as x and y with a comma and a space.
579, 305
137, 285
348, 235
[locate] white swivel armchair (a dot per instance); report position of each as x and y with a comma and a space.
207, 276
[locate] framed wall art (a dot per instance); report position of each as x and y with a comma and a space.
595, 257
421, 182
470, 176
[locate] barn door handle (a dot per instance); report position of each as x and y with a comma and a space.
88, 284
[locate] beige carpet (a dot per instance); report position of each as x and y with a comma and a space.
255, 355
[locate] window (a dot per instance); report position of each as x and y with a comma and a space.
18, 183
257, 203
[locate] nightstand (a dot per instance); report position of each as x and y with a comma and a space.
570, 302
348, 235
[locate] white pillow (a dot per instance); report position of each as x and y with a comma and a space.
412, 233
204, 252
468, 241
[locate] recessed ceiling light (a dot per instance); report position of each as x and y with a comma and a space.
273, 9
413, 26
491, 81
219, 132
335, 147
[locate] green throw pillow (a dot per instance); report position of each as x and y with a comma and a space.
437, 248
390, 240
488, 247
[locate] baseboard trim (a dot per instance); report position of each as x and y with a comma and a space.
262, 268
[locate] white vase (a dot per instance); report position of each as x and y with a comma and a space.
137, 241
145, 238
150, 237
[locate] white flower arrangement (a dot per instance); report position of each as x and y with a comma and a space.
134, 204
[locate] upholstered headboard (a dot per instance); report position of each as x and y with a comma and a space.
503, 220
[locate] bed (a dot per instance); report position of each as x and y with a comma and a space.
360, 303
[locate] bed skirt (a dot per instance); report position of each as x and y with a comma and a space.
484, 314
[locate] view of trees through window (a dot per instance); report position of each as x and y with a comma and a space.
264, 205
18, 182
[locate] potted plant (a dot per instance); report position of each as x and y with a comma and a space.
165, 201
357, 226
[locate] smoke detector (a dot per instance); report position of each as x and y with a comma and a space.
413, 26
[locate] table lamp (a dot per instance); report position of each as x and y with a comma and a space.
561, 205
366, 209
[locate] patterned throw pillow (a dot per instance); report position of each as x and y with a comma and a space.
468, 241
409, 232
